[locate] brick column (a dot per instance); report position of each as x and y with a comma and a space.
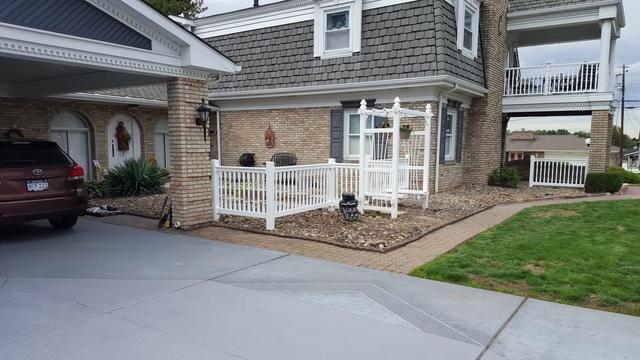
484, 133
601, 132
190, 165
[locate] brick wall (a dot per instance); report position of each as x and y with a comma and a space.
600, 148
306, 133
485, 125
34, 117
190, 164
303, 131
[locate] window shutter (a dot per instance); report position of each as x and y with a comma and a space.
337, 135
443, 119
459, 132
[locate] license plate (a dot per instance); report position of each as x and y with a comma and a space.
37, 185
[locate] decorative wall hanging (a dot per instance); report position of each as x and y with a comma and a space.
269, 138
123, 137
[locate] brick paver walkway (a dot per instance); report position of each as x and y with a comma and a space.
401, 260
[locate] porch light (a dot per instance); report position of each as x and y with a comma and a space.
203, 117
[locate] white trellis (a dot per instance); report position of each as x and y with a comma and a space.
389, 168
402, 172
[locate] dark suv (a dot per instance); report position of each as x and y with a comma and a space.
40, 181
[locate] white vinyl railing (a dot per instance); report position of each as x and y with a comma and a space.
552, 79
558, 172
272, 192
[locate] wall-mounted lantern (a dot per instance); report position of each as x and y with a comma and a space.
203, 117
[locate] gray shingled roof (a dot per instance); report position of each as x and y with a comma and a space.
414, 39
547, 143
550, 143
147, 92
524, 5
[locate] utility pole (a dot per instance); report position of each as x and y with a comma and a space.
624, 72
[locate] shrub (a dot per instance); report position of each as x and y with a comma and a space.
136, 177
95, 189
629, 177
610, 182
506, 176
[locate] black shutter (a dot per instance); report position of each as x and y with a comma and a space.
443, 120
459, 131
337, 135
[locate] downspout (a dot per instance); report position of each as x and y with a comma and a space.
440, 103
218, 135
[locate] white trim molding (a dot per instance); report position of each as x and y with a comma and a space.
440, 80
557, 103
112, 99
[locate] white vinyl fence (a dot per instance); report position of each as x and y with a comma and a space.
272, 192
558, 172
552, 79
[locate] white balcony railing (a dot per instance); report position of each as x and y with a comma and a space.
576, 78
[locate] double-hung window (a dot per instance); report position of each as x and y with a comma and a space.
352, 135
337, 34
337, 28
468, 23
449, 129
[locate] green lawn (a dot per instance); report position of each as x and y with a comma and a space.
586, 254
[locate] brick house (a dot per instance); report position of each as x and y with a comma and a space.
301, 67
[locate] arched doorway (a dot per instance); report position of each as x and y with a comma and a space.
71, 132
129, 148
162, 143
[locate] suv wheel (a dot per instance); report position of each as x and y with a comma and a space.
65, 222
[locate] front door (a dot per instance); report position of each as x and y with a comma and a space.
123, 140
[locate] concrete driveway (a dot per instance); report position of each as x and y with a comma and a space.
104, 291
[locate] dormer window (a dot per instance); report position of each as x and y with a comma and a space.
337, 28
468, 16
337, 34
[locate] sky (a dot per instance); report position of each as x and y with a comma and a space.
627, 52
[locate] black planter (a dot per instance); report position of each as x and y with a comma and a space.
247, 160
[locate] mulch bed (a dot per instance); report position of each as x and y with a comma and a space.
373, 231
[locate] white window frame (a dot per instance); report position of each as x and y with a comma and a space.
454, 136
327, 7
347, 155
473, 7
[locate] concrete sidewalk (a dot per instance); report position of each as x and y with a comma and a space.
111, 292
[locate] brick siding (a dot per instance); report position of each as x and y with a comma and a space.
34, 118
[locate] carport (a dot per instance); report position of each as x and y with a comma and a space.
48, 48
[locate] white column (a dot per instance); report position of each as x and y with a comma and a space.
605, 52
362, 175
395, 158
612, 60
215, 177
271, 195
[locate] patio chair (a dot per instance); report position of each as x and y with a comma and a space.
284, 159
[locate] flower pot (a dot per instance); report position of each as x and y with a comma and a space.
248, 160
404, 135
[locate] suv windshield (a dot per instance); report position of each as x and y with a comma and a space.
26, 153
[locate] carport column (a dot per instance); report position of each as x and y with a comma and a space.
190, 165
600, 148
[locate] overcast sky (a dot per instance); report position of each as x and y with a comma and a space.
628, 52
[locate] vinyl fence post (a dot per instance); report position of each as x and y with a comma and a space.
362, 186
532, 164
395, 158
271, 195
332, 197
215, 179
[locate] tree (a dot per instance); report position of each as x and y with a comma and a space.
582, 134
553, 132
189, 9
628, 143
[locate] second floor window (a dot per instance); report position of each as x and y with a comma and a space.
468, 23
468, 30
337, 33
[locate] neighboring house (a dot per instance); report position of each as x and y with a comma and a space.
300, 66
524, 144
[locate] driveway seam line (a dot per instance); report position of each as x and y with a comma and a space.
248, 267
501, 329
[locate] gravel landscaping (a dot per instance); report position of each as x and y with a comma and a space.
373, 231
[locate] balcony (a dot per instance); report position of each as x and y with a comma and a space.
560, 79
